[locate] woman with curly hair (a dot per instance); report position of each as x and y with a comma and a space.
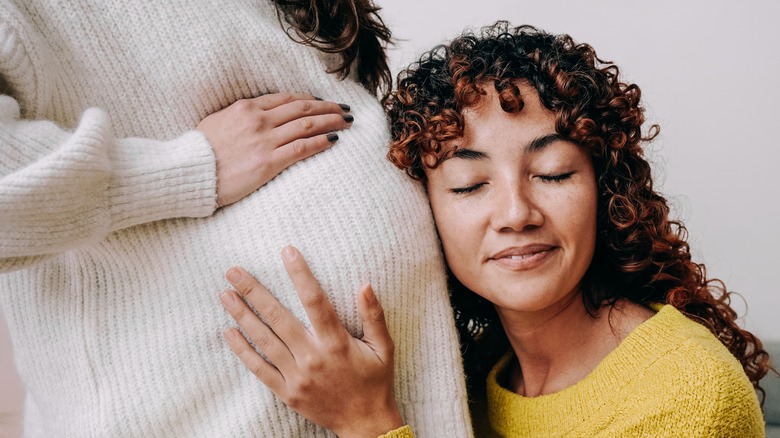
129, 131
580, 309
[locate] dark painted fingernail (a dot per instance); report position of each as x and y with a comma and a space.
344, 106
348, 118
332, 136
317, 98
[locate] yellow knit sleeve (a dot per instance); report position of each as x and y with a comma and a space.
401, 432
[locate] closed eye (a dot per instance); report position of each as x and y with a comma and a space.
469, 189
555, 178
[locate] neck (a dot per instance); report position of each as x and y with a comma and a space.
559, 346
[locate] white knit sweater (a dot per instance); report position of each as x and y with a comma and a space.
111, 292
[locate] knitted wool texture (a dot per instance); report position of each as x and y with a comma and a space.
669, 377
111, 292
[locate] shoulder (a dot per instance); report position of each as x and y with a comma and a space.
686, 347
693, 377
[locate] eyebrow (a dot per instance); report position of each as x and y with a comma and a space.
540, 143
535, 145
469, 154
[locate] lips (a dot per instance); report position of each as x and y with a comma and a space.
521, 252
523, 257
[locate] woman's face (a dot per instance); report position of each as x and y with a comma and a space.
516, 206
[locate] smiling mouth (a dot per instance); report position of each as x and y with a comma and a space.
521, 257
525, 258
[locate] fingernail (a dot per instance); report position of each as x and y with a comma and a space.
370, 297
231, 335
344, 106
332, 136
317, 98
228, 299
348, 118
288, 253
234, 276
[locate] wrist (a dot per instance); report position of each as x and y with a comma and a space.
373, 424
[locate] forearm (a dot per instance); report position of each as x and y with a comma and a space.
60, 190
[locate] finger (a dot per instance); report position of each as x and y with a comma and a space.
267, 373
262, 336
375, 332
291, 153
310, 126
273, 100
274, 315
320, 311
302, 108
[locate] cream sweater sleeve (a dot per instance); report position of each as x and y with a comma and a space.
63, 188
60, 189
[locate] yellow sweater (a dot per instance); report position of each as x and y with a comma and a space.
670, 377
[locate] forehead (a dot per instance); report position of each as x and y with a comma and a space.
487, 123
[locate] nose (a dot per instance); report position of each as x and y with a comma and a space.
515, 208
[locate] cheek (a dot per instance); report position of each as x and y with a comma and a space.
581, 221
458, 231
448, 226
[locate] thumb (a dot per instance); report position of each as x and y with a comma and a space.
375, 333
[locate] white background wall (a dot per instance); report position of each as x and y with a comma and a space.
710, 76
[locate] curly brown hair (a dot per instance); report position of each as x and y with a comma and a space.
641, 253
352, 29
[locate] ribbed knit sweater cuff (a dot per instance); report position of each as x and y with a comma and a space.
401, 432
170, 179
